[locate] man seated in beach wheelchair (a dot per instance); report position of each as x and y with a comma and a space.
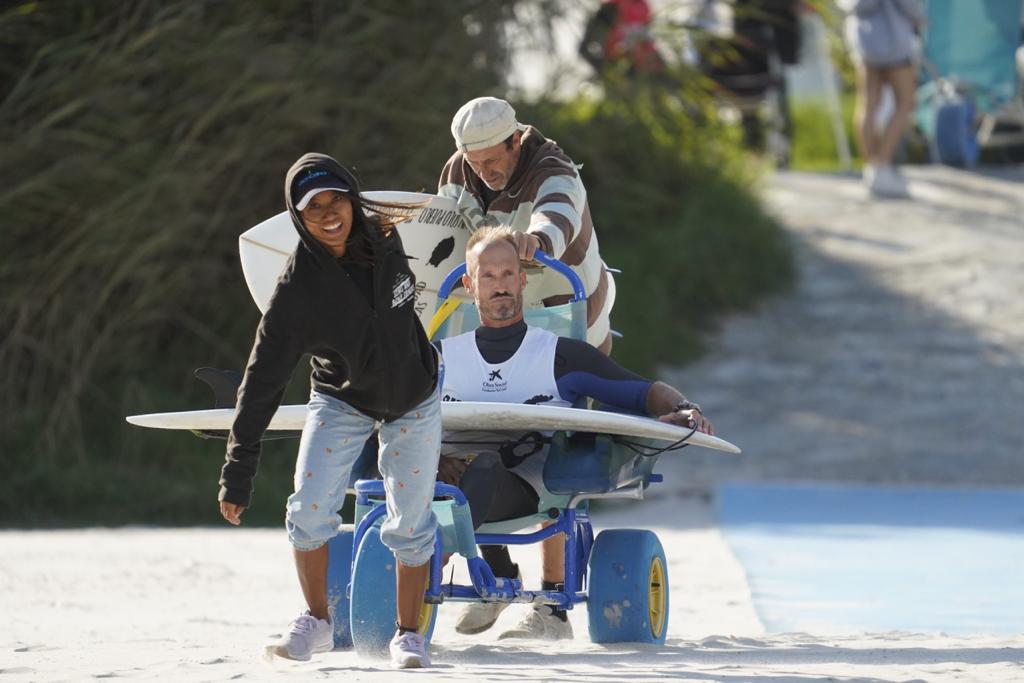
531, 469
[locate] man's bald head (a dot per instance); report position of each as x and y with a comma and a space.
482, 239
494, 276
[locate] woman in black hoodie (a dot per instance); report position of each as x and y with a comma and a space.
346, 297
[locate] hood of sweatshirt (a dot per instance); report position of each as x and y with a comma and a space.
318, 162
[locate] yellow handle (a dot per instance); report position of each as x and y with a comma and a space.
442, 314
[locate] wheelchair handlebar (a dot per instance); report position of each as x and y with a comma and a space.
578, 293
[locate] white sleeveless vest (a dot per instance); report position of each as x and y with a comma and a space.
527, 377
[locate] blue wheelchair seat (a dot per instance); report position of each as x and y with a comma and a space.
581, 464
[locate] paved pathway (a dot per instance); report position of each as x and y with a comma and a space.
899, 355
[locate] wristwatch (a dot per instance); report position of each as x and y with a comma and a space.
687, 404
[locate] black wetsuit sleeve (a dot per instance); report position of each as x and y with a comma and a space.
275, 353
582, 370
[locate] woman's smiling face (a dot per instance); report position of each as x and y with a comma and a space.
328, 218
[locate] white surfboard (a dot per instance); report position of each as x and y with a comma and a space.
435, 239
466, 415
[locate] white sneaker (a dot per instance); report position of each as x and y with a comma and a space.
408, 651
307, 636
479, 616
542, 624
868, 175
887, 182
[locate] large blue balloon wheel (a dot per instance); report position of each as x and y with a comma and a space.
339, 569
373, 602
628, 588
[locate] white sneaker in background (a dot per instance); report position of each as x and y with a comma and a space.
541, 623
408, 651
868, 175
888, 183
899, 183
306, 636
479, 616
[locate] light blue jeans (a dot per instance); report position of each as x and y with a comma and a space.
332, 440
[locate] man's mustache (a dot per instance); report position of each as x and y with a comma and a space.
500, 294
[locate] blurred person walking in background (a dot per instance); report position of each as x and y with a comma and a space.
881, 35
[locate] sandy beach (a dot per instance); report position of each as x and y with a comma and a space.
199, 604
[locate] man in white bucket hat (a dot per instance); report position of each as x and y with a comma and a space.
507, 173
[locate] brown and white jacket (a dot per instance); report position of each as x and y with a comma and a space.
545, 196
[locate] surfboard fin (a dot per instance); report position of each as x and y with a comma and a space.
224, 384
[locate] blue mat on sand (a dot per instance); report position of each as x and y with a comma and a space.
836, 559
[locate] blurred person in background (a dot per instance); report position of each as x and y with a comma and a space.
346, 297
767, 38
507, 173
882, 39
744, 46
621, 29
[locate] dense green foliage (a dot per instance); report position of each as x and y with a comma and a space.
137, 140
675, 209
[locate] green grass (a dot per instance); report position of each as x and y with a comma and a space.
814, 143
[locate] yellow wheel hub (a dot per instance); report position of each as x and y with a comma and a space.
656, 593
424, 621
426, 613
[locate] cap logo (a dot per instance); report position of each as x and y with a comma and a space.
310, 176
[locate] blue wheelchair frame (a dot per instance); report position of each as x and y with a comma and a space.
572, 521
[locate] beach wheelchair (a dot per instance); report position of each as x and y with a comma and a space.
621, 575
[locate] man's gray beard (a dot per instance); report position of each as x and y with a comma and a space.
505, 311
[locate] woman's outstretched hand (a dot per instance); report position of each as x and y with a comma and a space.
231, 512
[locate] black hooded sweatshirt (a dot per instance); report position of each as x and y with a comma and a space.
374, 356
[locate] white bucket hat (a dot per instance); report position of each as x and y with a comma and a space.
483, 123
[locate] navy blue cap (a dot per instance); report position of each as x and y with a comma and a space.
314, 182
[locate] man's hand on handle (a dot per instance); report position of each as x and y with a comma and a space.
527, 244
